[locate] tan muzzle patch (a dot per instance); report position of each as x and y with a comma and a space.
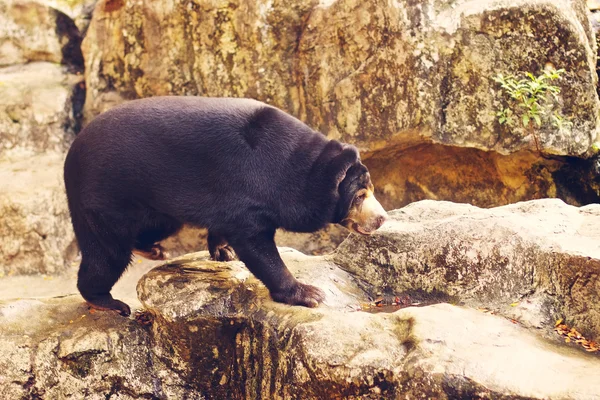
367, 216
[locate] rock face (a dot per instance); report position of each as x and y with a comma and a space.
215, 317
39, 102
209, 330
374, 74
80, 11
390, 77
37, 108
191, 239
41, 99
543, 250
32, 31
35, 231
484, 179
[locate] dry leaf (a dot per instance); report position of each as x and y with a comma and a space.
558, 322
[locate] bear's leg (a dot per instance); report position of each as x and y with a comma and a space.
219, 249
105, 244
147, 241
99, 271
259, 253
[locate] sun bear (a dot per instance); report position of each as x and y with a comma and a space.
238, 167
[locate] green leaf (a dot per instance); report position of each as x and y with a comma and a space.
538, 120
525, 120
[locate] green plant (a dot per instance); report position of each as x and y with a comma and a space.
532, 99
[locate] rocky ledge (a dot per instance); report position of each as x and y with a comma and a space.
210, 330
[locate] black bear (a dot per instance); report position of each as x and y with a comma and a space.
238, 167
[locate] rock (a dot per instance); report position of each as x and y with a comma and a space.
190, 240
543, 249
484, 179
32, 31
375, 74
56, 349
216, 317
35, 232
80, 11
321, 242
210, 330
389, 77
39, 107
40, 112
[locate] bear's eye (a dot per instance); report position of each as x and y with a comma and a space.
360, 196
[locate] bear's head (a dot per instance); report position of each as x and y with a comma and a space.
358, 209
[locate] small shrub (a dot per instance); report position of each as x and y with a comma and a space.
531, 101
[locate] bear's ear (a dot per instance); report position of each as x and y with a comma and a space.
342, 162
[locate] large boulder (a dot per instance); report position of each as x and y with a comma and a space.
210, 330
30, 30
408, 82
373, 73
39, 103
35, 230
55, 349
542, 254
216, 317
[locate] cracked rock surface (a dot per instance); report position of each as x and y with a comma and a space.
210, 316
209, 330
376, 74
542, 254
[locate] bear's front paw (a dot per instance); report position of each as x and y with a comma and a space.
300, 295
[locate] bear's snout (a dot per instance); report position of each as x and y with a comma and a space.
368, 218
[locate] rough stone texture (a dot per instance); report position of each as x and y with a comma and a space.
33, 31
541, 249
390, 77
55, 349
38, 102
373, 73
210, 331
208, 316
484, 179
80, 11
190, 240
35, 229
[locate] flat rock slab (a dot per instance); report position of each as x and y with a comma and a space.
216, 317
541, 252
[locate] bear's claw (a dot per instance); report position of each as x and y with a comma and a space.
300, 295
111, 305
223, 253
